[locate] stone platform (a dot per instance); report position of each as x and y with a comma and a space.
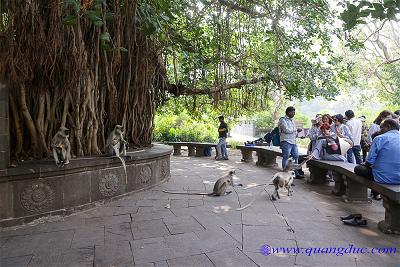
151, 228
39, 188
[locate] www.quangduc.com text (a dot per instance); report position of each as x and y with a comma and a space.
338, 251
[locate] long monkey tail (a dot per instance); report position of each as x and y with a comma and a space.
258, 195
187, 193
123, 163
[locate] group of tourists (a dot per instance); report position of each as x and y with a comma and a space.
344, 138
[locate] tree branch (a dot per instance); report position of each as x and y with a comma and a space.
249, 11
180, 89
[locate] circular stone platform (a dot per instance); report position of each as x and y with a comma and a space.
39, 188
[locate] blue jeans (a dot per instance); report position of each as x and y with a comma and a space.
287, 151
356, 150
221, 148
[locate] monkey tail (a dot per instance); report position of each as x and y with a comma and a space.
187, 193
122, 161
251, 202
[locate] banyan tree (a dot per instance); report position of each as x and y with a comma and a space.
84, 65
90, 64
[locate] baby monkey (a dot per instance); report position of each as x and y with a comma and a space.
220, 187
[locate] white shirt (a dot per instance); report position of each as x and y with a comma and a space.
355, 126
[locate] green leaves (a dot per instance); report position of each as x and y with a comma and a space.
76, 5
356, 14
70, 20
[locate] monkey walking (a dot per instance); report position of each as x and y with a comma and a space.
283, 179
116, 144
220, 187
61, 147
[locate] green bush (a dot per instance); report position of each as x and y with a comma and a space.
181, 127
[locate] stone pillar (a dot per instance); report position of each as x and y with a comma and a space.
4, 128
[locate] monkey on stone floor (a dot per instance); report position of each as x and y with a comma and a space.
219, 187
61, 147
279, 180
116, 144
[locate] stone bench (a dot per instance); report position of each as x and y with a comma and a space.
194, 148
266, 155
354, 188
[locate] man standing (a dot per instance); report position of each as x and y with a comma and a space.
288, 133
383, 161
355, 126
222, 153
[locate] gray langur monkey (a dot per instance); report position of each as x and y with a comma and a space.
220, 187
117, 144
279, 180
61, 147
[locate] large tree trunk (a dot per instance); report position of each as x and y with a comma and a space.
61, 77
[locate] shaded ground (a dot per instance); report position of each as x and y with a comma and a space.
152, 228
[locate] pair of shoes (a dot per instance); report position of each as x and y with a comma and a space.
299, 176
226, 158
355, 222
219, 158
351, 216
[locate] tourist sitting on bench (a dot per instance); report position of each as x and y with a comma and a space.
329, 146
383, 161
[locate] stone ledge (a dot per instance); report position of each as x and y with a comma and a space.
38, 189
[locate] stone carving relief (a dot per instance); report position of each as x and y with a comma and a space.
164, 168
37, 197
145, 175
109, 185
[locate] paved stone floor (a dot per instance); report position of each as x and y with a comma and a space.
152, 228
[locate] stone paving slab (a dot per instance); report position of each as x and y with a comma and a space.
231, 257
152, 228
69, 257
196, 260
117, 253
15, 261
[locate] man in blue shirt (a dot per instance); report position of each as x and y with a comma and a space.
383, 161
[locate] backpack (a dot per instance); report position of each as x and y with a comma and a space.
276, 139
268, 137
328, 148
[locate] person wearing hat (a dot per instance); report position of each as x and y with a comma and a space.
314, 132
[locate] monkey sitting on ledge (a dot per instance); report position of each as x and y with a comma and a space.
61, 147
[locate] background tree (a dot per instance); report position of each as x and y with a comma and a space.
90, 64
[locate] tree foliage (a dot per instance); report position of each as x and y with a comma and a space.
357, 12
239, 53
